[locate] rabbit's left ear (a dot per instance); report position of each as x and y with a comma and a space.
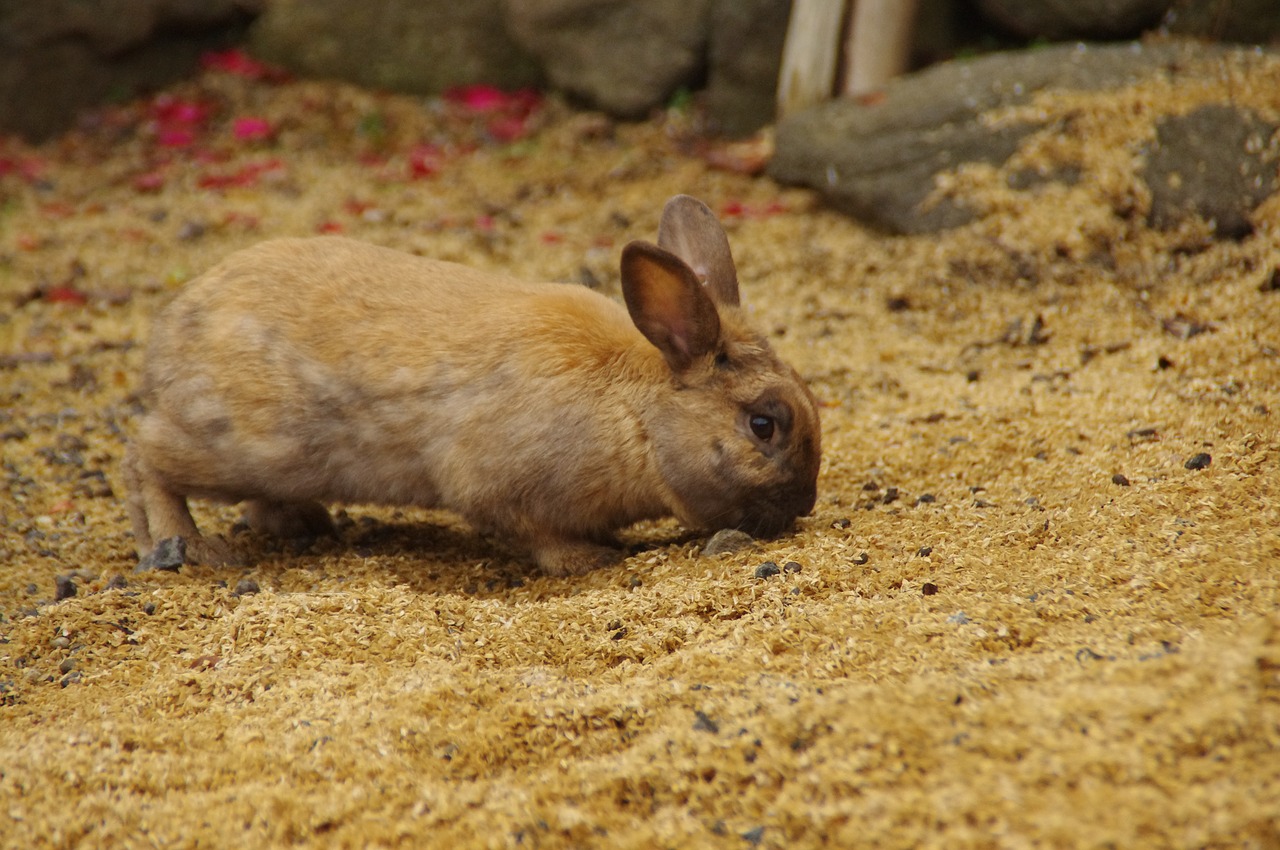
668, 304
691, 231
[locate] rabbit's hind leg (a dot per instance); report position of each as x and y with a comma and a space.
289, 520
158, 513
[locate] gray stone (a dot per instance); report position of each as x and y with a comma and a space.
60, 56
169, 554
744, 57
727, 540
420, 46
622, 56
1217, 163
878, 161
1246, 21
1066, 19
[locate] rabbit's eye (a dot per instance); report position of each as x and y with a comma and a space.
762, 427
722, 360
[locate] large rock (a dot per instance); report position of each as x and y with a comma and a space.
1246, 21
423, 46
878, 160
59, 56
1217, 163
621, 56
1064, 19
745, 55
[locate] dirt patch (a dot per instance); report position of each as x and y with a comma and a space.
1019, 614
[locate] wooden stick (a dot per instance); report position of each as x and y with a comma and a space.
810, 54
877, 45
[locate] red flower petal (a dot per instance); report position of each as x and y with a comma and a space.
240, 64
151, 181
478, 98
64, 295
252, 129
508, 128
175, 138
425, 161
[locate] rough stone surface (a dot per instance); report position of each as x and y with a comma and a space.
878, 160
1246, 21
727, 540
744, 56
1217, 163
404, 45
617, 55
59, 56
1062, 19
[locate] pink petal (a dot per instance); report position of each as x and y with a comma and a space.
175, 138
479, 98
251, 129
237, 62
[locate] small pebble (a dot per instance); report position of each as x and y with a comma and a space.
754, 836
67, 665
1198, 461
767, 570
60, 642
149, 608
246, 587
64, 587
924, 551
928, 589
727, 540
1120, 480
842, 523
703, 723
862, 558
169, 554
791, 567
117, 582
191, 230
926, 499
890, 496
71, 679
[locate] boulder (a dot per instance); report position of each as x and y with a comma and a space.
621, 56
1217, 163
60, 56
1066, 19
878, 159
744, 57
422, 46
1245, 21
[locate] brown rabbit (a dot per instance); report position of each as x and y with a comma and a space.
306, 371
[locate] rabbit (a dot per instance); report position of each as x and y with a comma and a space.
307, 371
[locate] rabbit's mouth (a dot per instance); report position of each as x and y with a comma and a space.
770, 520
766, 526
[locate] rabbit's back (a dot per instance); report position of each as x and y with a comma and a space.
334, 370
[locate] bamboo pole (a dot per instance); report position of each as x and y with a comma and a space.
877, 45
810, 54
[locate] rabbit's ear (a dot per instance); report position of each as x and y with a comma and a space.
689, 230
668, 304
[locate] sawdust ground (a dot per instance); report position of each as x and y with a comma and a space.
989, 641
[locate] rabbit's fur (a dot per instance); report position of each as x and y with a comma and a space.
302, 372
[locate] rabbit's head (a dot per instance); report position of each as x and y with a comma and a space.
735, 433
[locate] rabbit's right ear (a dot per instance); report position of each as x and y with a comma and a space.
668, 304
690, 230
